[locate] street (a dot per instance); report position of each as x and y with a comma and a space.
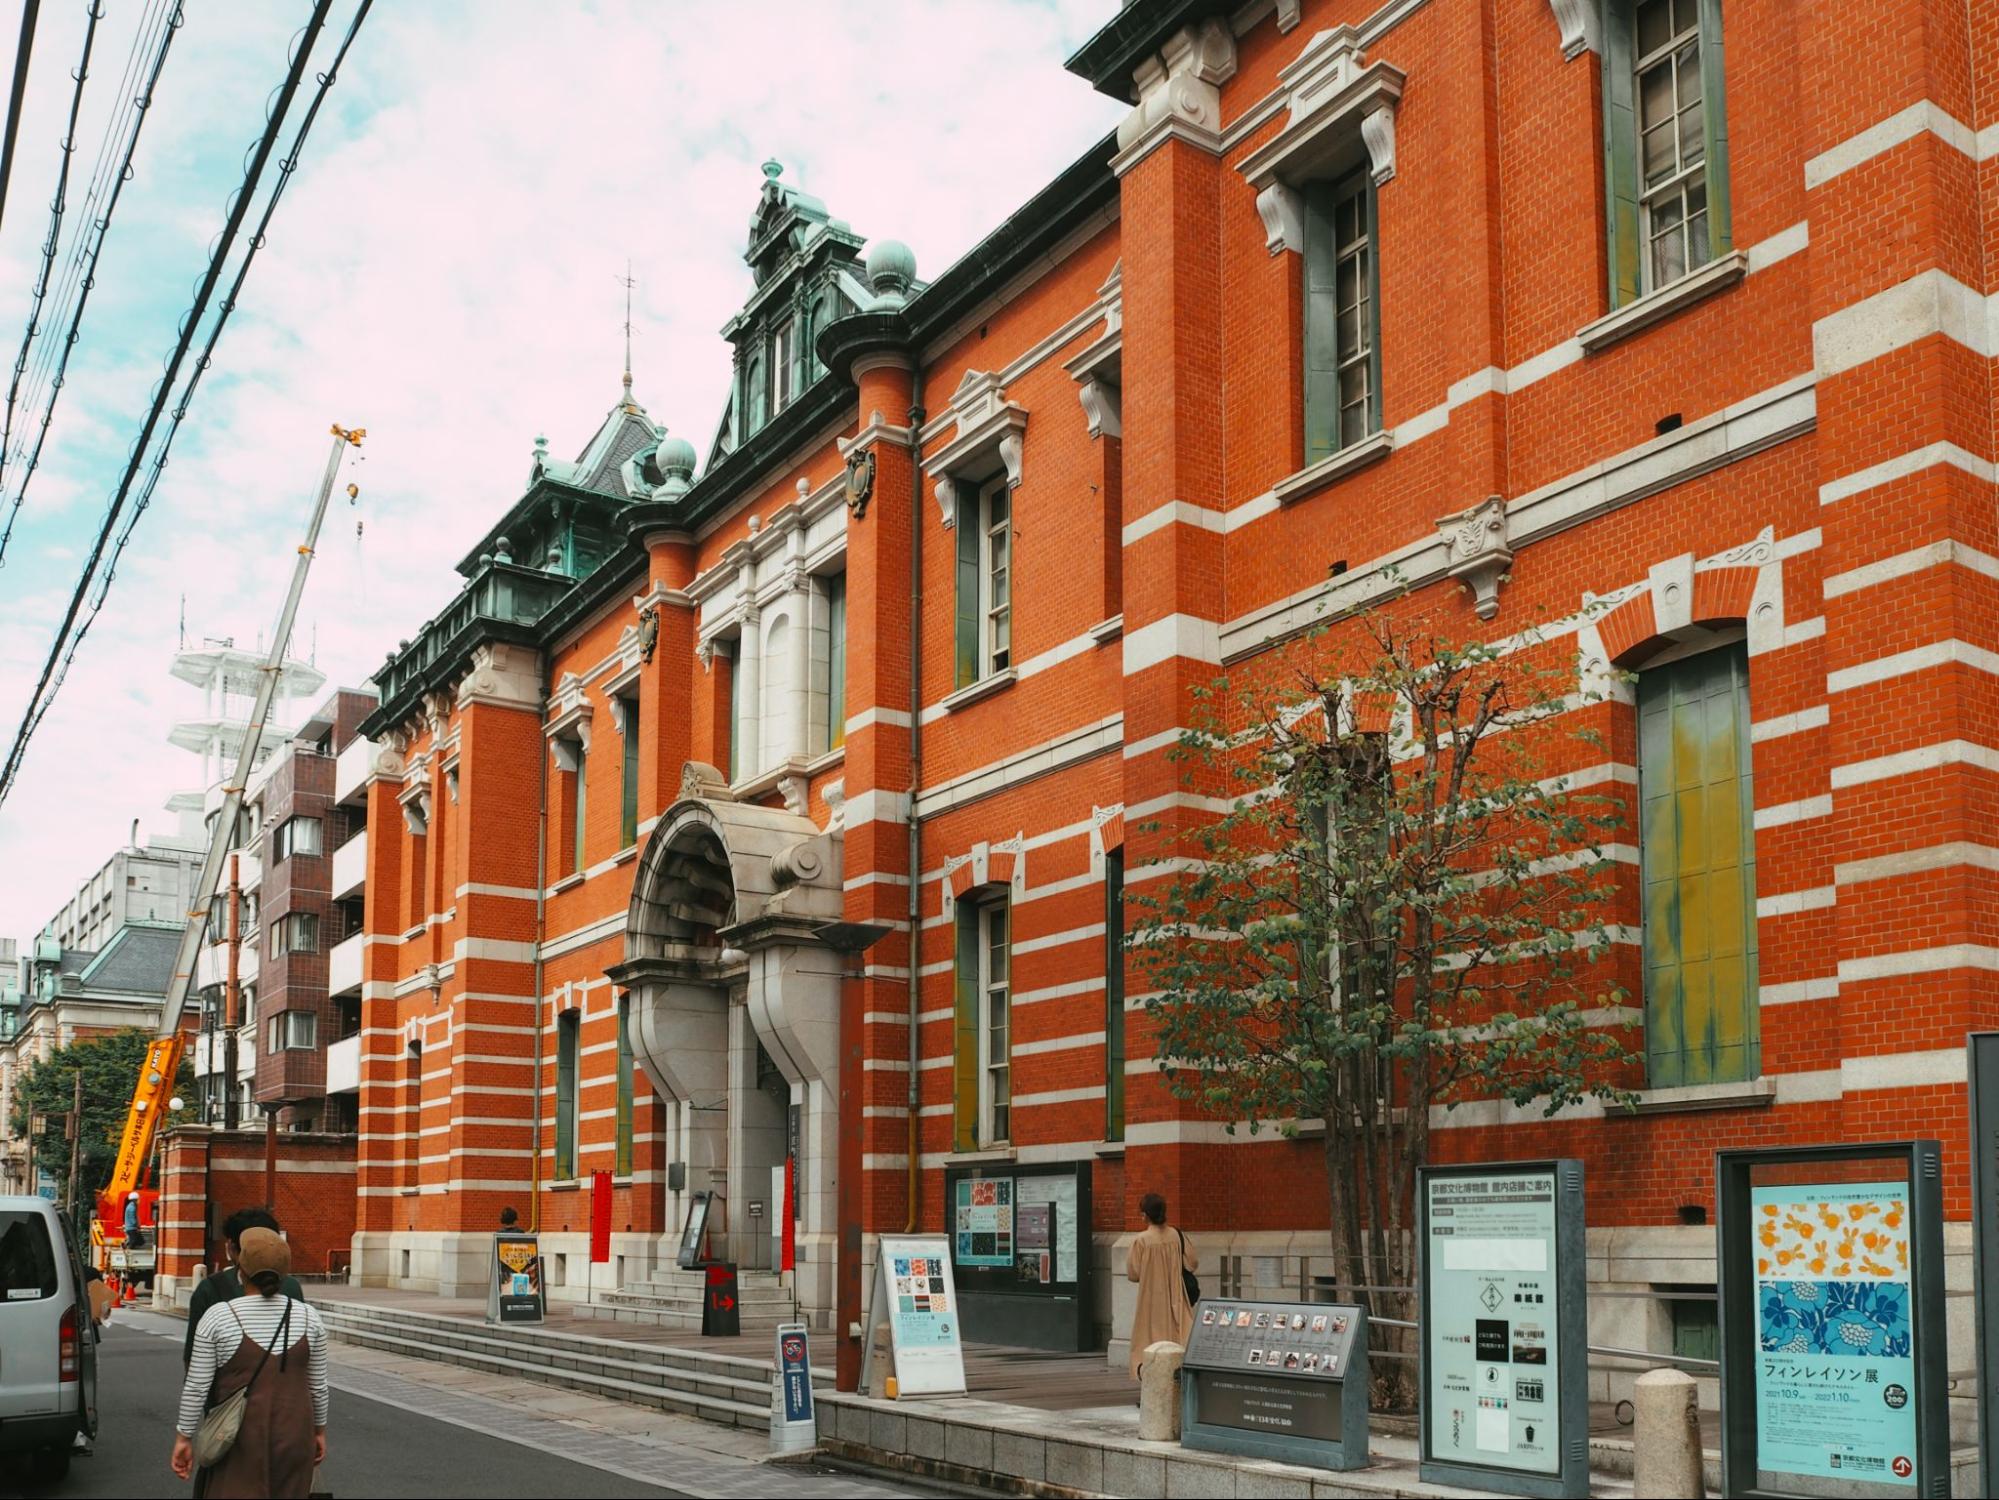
394, 1440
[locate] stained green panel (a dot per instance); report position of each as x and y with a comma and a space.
1698, 870
1322, 359
965, 1060
968, 653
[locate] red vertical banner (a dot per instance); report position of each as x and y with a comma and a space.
789, 1259
600, 1217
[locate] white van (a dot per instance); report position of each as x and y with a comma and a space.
48, 1346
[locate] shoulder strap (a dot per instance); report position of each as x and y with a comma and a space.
282, 1325
1183, 1238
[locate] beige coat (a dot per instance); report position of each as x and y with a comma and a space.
1163, 1310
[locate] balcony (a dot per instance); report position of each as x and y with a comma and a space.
208, 1053
249, 874
343, 1066
501, 601
350, 866
343, 967
211, 965
350, 773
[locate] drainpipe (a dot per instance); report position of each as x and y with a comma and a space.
915, 778
540, 931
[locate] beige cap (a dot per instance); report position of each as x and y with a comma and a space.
262, 1252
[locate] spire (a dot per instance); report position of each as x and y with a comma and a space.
627, 282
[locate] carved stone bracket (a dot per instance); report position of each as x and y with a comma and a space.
1102, 407
1577, 20
1179, 92
1479, 556
989, 438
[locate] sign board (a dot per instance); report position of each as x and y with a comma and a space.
600, 1217
1984, 1077
693, 1231
792, 1425
1504, 1372
1278, 1380
918, 1299
1832, 1331
1020, 1249
514, 1292
721, 1302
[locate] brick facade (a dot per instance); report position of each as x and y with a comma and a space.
1795, 446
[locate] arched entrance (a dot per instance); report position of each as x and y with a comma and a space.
735, 1017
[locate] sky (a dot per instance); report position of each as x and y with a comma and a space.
444, 270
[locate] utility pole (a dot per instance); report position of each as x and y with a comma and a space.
232, 993
75, 1142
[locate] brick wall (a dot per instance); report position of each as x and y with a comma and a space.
208, 1175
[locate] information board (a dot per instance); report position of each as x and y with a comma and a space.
1283, 1380
1831, 1301
792, 1424
514, 1294
916, 1297
1019, 1240
984, 1223
1504, 1363
695, 1228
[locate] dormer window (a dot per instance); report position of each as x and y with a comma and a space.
781, 342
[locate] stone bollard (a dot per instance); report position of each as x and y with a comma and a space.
1666, 1437
881, 1368
1159, 1392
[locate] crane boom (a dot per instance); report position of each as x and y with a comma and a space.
156, 1079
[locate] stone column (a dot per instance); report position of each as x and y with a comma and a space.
745, 731
801, 597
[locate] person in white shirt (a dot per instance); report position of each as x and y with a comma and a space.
275, 1347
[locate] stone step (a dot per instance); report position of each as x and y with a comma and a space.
694, 1291
539, 1342
732, 1402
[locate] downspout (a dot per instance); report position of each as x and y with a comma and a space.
540, 931
915, 781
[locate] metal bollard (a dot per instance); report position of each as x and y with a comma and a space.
1159, 1392
1666, 1437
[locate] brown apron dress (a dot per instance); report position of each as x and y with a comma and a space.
273, 1452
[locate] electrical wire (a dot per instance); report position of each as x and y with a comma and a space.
56, 206
98, 229
117, 121
24, 49
43, 695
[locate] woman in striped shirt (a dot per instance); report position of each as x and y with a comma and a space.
276, 1346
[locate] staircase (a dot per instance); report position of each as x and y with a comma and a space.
673, 1298
725, 1388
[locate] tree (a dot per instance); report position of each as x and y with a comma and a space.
110, 1065
1398, 912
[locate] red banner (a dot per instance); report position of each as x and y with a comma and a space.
600, 1218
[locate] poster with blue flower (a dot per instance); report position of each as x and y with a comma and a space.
1835, 1370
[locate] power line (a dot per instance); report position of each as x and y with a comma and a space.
116, 122
23, 50
99, 228
239, 205
56, 206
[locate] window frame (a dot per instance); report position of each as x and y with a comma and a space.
628, 803
568, 1053
287, 837
622, 1166
1626, 227
995, 936
781, 354
1114, 1030
835, 678
976, 657
1326, 360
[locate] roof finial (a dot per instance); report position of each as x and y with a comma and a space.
773, 169
627, 282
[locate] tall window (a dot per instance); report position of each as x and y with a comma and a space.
781, 342
984, 1053
835, 690
734, 651
756, 397
1698, 859
1667, 153
297, 932
579, 810
1342, 364
293, 1031
298, 836
985, 582
567, 1027
1114, 994
628, 811
624, 1162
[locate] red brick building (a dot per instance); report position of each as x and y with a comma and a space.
1675, 321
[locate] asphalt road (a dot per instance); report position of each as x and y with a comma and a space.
373, 1448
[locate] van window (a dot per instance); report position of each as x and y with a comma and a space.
27, 1259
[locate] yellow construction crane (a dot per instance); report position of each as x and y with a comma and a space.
156, 1079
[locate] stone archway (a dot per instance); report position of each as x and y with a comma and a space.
728, 959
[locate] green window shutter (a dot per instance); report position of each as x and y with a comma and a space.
735, 656
1714, 112
565, 1097
628, 817
582, 808
965, 1037
1698, 863
1114, 995
836, 661
1620, 153
1322, 359
624, 1164
968, 652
